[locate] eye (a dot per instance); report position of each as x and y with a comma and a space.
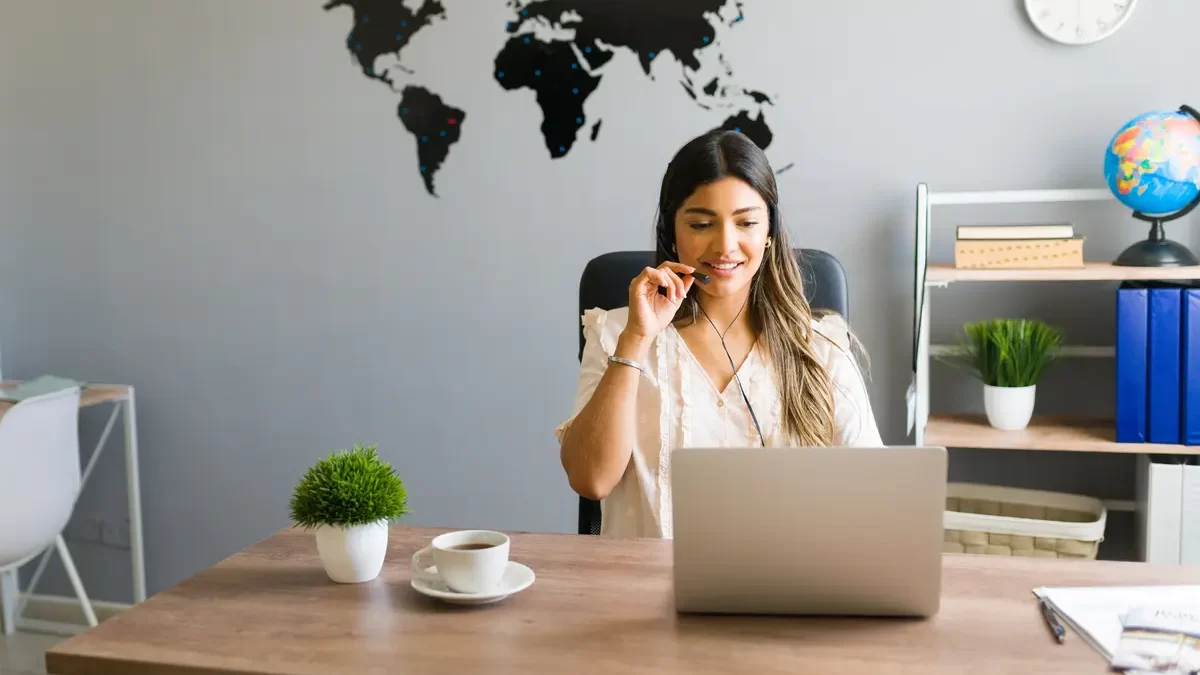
699, 225
748, 223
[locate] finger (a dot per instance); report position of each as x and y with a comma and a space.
676, 285
687, 284
650, 279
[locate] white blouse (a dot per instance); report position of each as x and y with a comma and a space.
678, 406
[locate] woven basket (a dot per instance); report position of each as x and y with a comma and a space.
996, 520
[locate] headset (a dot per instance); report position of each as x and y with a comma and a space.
665, 235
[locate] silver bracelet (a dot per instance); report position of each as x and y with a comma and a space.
627, 362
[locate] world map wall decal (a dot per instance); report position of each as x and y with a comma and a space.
558, 49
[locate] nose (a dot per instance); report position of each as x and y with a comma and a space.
727, 239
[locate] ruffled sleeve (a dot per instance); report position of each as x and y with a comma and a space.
601, 328
853, 418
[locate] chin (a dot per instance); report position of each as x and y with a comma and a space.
719, 288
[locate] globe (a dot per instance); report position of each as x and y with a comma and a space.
1153, 162
1152, 166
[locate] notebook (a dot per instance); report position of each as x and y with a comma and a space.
36, 387
1096, 613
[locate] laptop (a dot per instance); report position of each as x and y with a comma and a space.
809, 531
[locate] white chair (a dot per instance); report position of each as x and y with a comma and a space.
39, 483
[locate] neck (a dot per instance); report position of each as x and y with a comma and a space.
732, 311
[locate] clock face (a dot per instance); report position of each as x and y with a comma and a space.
1078, 22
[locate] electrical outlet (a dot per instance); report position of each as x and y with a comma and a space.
97, 530
114, 534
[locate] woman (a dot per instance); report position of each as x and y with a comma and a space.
739, 361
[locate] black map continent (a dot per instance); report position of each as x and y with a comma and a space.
551, 70
435, 125
383, 27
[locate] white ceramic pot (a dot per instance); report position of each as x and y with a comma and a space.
354, 554
1008, 408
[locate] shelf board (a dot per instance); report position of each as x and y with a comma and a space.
1054, 433
1093, 271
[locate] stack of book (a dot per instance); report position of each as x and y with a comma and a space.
1017, 246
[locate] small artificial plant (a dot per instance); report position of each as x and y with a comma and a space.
348, 488
1009, 352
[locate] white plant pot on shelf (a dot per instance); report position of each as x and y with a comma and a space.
352, 554
1008, 408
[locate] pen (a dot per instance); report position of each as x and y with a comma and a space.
1060, 633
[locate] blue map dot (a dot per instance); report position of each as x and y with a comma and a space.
404, 24
422, 169
537, 73
404, 111
366, 19
524, 12
651, 55
575, 90
526, 40
705, 39
578, 120
500, 74
399, 36
561, 149
442, 132
574, 66
738, 129
587, 50
424, 139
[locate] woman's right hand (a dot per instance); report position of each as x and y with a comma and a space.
650, 311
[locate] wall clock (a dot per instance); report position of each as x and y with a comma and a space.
1078, 22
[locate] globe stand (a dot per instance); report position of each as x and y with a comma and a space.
1156, 250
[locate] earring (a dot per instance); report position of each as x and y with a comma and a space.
768, 242
673, 249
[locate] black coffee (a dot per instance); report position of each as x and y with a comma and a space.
473, 546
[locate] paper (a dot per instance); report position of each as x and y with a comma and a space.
1159, 640
1096, 613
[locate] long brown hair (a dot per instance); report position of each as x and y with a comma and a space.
778, 309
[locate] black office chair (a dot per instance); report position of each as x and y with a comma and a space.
605, 284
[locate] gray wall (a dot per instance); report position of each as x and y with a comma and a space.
208, 201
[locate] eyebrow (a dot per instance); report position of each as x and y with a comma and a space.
710, 212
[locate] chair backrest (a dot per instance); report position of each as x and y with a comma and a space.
39, 472
605, 284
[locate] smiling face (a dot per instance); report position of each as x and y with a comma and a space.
721, 229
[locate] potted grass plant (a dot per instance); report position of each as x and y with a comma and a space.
1009, 356
348, 499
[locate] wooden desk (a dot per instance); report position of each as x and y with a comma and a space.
598, 605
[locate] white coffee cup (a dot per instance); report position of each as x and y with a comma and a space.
468, 561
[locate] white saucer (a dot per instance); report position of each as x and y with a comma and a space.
517, 577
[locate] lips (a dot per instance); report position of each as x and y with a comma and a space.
723, 269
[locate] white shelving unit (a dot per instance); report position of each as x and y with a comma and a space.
1045, 433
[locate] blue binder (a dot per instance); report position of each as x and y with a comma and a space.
1132, 323
1190, 368
1163, 346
